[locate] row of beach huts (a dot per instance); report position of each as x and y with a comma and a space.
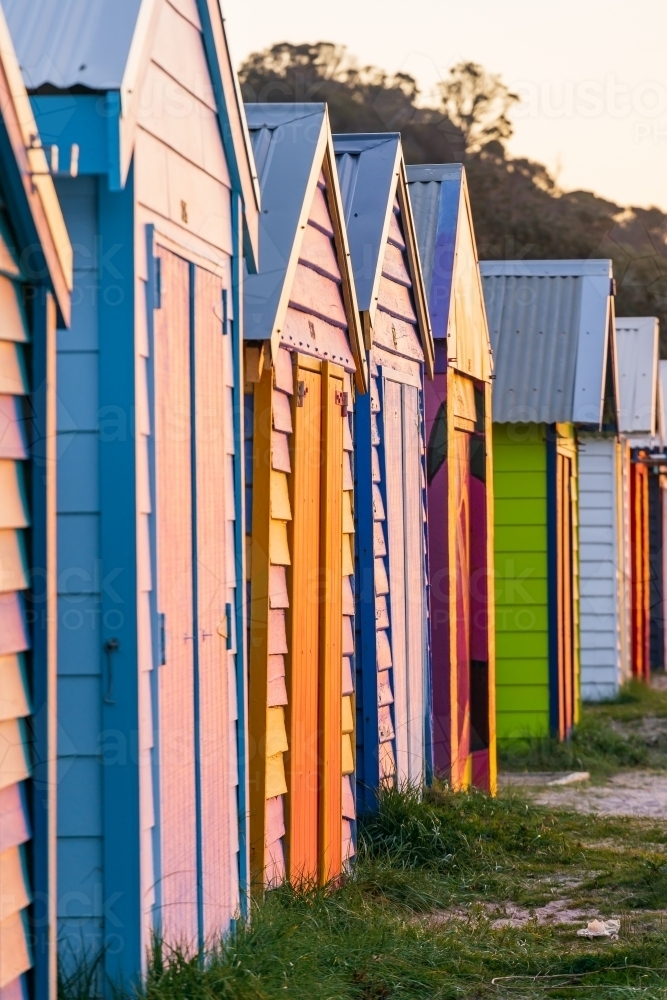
299, 500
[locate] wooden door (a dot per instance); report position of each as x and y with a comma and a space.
173, 444
197, 885
315, 625
564, 584
213, 624
303, 626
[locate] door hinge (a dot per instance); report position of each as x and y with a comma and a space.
342, 401
301, 393
225, 626
158, 282
162, 639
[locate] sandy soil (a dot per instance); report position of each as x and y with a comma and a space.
632, 793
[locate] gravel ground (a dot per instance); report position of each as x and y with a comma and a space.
631, 793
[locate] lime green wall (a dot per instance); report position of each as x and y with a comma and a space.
522, 632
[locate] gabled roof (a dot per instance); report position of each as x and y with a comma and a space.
292, 143
637, 347
371, 172
448, 253
103, 45
32, 202
551, 328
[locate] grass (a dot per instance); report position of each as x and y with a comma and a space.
413, 920
611, 736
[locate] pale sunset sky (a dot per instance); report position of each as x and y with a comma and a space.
592, 73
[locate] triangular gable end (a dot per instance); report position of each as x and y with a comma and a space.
300, 192
469, 345
372, 175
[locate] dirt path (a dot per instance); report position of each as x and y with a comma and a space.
631, 793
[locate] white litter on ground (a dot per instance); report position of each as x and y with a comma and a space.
600, 929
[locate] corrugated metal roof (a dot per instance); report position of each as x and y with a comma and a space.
371, 174
549, 323
367, 167
73, 42
435, 194
637, 347
285, 139
662, 403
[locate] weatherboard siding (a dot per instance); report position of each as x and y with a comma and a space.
600, 569
80, 581
521, 575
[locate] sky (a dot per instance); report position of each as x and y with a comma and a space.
592, 73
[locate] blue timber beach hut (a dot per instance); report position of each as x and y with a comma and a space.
305, 357
151, 706
35, 287
393, 704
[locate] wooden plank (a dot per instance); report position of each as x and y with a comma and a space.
395, 235
282, 413
12, 879
13, 696
279, 553
13, 324
275, 819
381, 613
347, 767
283, 374
348, 478
347, 437
348, 596
414, 585
387, 761
385, 725
277, 692
216, 702
14, 829
348, 636
384, 658
378, 504
381, 578
348, 682
14, 954
397, 336
278, 587
277, 633
376, 476
304, 625
319, 213
276, 734
317, 251
280, 459
379, 546
331, 767
13, 510
261, 586
394, 457
319, 296
348, 555
12, 562
311, 335
394, 267
14, 766
385, 695
275, 783
347, 716
280, 505
348, 516
348, 799
12, 429
13, 632
396, 300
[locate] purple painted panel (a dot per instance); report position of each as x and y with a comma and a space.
479, 612
438, 541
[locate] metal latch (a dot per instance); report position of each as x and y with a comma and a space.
342, 401
301, 393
